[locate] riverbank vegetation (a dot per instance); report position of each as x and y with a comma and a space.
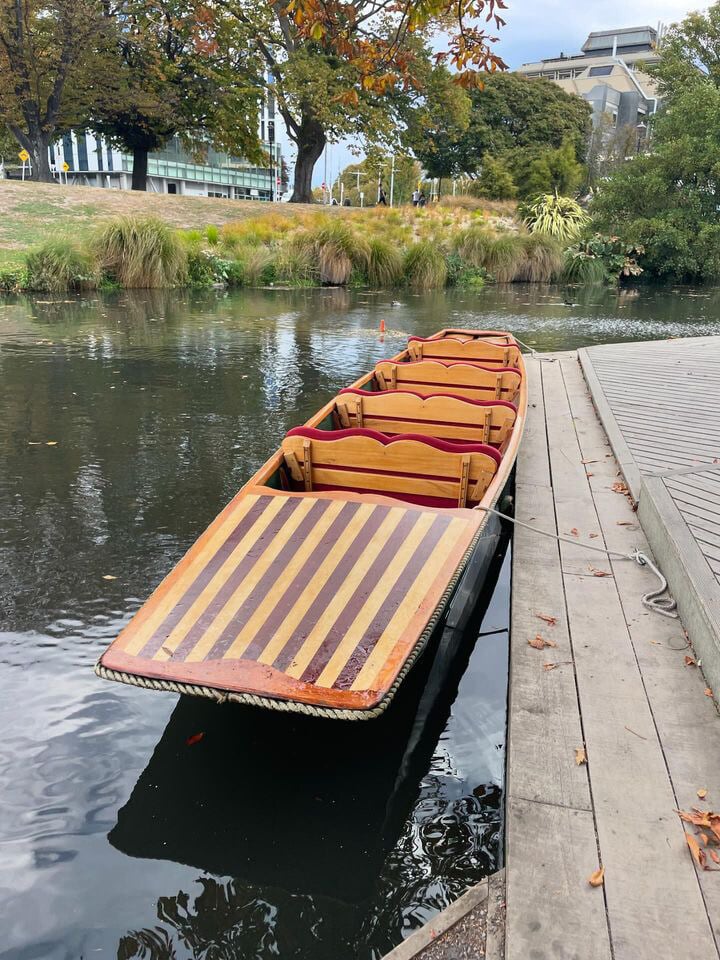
457, 242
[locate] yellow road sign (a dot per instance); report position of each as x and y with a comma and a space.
24, 156
65, 166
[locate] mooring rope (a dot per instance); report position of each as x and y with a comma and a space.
653, 600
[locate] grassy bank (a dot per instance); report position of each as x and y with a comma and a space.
456, 242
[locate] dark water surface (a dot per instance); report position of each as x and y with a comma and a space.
126, 424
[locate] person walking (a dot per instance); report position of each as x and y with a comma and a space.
415, 197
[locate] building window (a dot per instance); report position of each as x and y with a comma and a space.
68, 151
98, 151
603, 71
82, 151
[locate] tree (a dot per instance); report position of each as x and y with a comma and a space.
53, 66
524, 115
178, 73
495, 181
436, 125
333, 67
542, 170
689, 54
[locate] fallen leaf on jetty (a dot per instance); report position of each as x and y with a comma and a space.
538, 642
715, 857
589, 461
558, 663
195, 738
702, 793
708, 692
690, 661
597, 878
697, 853
109, 576
624, 523
580, 755
594, 536
574, 531
619, 487
599, 573
547, 618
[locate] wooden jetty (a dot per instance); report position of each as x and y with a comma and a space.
616, 686
612, 726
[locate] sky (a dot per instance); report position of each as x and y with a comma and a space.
538, 29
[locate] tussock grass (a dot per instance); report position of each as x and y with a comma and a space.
505, 257
425, 266
385, 264
544, 260
258, 266
296, 264
581, 268
338, 250
473, 244
140, 253
57, 265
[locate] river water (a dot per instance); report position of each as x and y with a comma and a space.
127, 422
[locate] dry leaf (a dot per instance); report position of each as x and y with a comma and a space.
51, 443
594, 536
34, 443
550, 666
699, 818
580, 755
708, 692
538, 642
574, 531
697, 853
704, 837
702, 793
591, 475
548, 619
109, 576
599, 573
589, 461
619, 487
715, 857
195, 738
597, 878
624, 523
690, 661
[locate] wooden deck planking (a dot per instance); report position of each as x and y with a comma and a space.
654, 400
652, 737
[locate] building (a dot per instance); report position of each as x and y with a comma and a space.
609, 74
92, 161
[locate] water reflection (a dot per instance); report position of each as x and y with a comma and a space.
159, 405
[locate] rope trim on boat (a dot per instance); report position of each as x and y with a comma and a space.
295, 706
653, 599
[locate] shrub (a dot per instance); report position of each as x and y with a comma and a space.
599, 259
13, 278
463, 274
295, 264
57, 266
212, 235
385, 264
505, 257
337, 249
141, 253
543, 261
560, 217
425, 266
205, 268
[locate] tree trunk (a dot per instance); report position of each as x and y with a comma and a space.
140, 167
37, 145
310, 143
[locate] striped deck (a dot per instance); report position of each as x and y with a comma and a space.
316, 598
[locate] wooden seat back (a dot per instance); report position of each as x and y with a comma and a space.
466, 351
461, 379
407, 467
440, 415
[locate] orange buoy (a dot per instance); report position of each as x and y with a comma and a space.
382, 326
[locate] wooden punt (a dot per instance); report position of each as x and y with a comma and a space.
319, 585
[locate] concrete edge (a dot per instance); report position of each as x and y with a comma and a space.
689, 577
446, 919
619, 447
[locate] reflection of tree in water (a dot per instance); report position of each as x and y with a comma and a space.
450, 841
230, 920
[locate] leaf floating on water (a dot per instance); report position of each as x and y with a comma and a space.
548, 619
51, 443
597, 878
34, 443
195, 738
539, 643
109, 576
698, 854
580, 756
690, 661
